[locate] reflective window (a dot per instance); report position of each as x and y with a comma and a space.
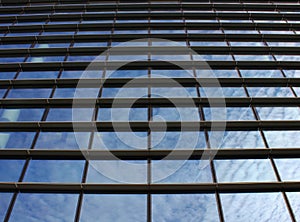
114, 207
212, 57
176, 171
247, 44
228, 113
252, 73
279, 113
282, 139
294, 198
289, 169
287, 57
29, 93
184, 207
198, 43
52, 45
216, 73
116, 171
126, 73
76, 93
90, 44
71, 74
12, 115
84, 58
38, 75
4, 203
175, 114
57, 171
7, 75
70, 114
253, 58
17, 140
11, 59
41, 207
241, 139
14, 46
222, 92
248, 170
241, 207
270, 92
177, 140
241, 31
120, 140
171, 73
292, 73
46, 59
10, 170
124, 92
173, 92
122, 114
62, 140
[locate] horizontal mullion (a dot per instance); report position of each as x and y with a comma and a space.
153, 126
64, 5
154, 102
124, 26
195, 154
40, 66
163, 50
242, 187
150, 82
126, 37
169, 15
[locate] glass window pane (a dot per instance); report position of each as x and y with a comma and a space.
178, 140
62, 140
175, 114
10, 170
120, 140
124, 92
7, 75
71, 74
242, 207
279, 113
242, 139
12, 115
116, 171
126, 73
252, 73
283, 139
289, 169
114, 208
216, 73
70, 114
46, 59
184, 207
270, 92
17, 140
222, 92
251, 170
57, 171
29, 93
294, 198
232, 113
173, 73
190, 171
292, 73
174, 92
4, 203
122, 114
44, 207
38, 75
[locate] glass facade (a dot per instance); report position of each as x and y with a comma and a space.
113, 161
